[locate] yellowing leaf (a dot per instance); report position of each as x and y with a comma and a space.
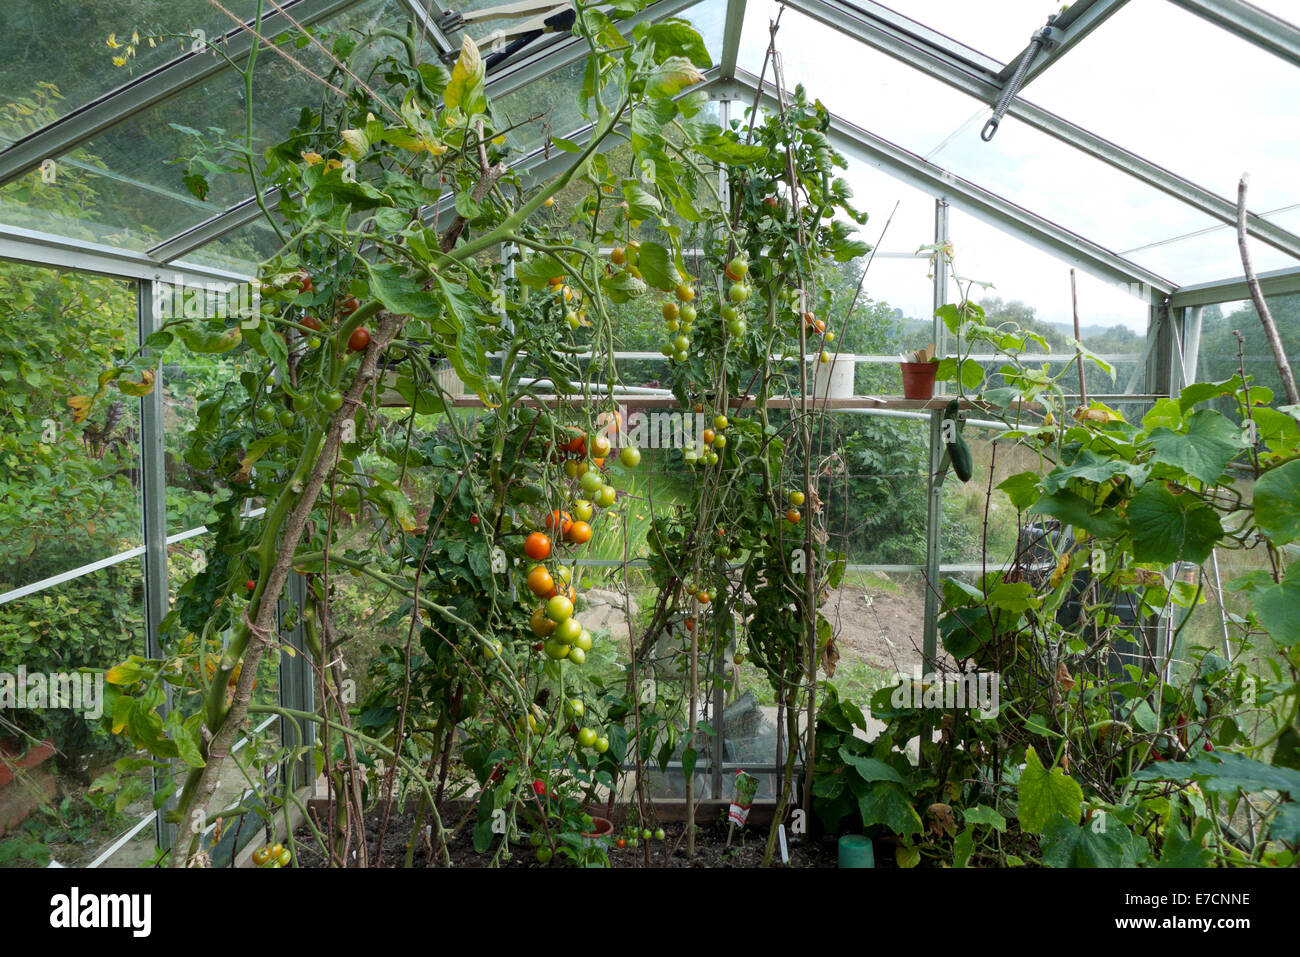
672, 76
465, 89
357, 143
80, 406
123, 674
141, 388
311, 159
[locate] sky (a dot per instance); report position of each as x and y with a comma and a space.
1156, 79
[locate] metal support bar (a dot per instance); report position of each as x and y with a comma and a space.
70, 131
297, 690
1160, 355
882, 34
731, 31
57, 252
154, 513
934, 502
1281, 282
985, 205
213, 228
1266, 31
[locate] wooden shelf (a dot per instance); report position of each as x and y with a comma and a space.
670, 402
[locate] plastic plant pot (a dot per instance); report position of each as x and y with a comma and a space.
856, 851
918, 379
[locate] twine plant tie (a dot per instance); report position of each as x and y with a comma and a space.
1044, 39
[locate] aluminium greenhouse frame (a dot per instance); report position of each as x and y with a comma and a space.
1173, 332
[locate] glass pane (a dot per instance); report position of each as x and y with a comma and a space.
53, 748
69, 488
1218, 359
1020, 272
1182, 112
126, 186
1032, 288
1045, 176
876, 493
1207, 255
886, 97
56, 57
902, 213
545, 107
239, 251
999, 28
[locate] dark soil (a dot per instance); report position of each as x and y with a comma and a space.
746, 850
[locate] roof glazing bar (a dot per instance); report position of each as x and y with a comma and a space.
1072, 26
67, 133
1250, 23
881, 35
731, 31
1281, 282
58, 252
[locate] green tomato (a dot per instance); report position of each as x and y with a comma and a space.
301, 403
556, 649
647, 834
735, 328
583, 510
583, 640
586, 737
737, 268
559, 609
739, 292
602, 744
659, 834
630, 456
667, 349
536, 839
577, 655
681, 344
688, 313
730, 313
331, 400
265, 414
605, 496
711, 458
574, 708
592, 482
720, 423
567, 631
720, 442
681, 356
287, 419
544, 855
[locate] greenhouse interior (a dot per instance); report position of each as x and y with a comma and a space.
691, 433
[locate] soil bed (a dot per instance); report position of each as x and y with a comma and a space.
746, 849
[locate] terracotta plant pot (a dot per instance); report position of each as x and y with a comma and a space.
601, 828
918, 379
15, 760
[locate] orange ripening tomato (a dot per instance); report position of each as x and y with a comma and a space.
563, 519
600, 446
578, 444
580, 533
537, 547
792, 516
540, 582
